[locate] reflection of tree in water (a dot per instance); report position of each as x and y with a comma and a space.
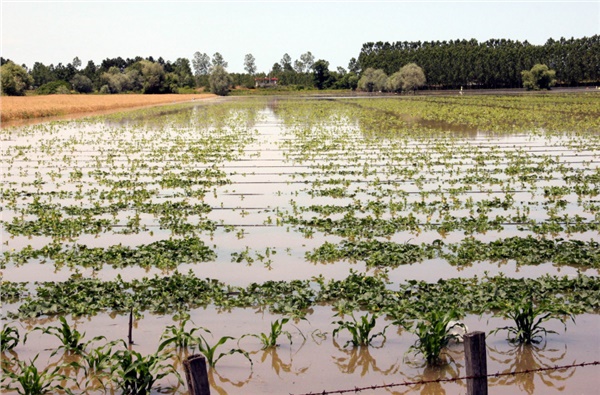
526, 357
445, 371
360, 357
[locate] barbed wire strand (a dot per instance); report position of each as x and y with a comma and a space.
406, 383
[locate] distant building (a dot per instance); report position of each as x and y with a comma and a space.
265, 82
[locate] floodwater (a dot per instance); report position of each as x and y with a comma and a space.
272, 172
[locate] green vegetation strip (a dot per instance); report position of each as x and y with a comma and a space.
524, 250
182, 292
163, 254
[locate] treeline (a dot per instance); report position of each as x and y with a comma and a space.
496, 63
114, 75
490, 64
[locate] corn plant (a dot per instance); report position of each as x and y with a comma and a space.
26, 379
528, 319
179, 336
269, 340
71, 339
184, 339
9, 338
360, 330
96, 364
210, 352
135, 374
434, 332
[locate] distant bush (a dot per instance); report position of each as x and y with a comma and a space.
15, 80
105, 90
54, 87
82, 84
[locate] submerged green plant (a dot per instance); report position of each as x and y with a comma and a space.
434, 333
528, 319
32, 381
210, 352
9, 338
184, 339
179, 336
135, 374
360, 330
269, 340
71, 339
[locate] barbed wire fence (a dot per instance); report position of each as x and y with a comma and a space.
475, 364
452, 379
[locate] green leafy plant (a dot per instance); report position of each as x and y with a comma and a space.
184, 339
269, 340
32, 381
71, 339
360, 330
528, 318
135, 374
96, 364
9, 338
179, 336
434, 332
210, 352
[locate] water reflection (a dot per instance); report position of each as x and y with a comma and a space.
278, 365
360, 358
214, 379
429, 373
528, 357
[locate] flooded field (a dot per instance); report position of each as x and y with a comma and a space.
235, 215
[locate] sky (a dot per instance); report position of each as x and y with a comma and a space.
55, 32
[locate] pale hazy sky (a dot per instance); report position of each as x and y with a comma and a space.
57, 31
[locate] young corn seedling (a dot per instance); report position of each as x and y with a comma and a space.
135, 374
434, 332
71, 339
269, 340
528, 319
210, 352
360, 330
183, 339
26, 379
9, 338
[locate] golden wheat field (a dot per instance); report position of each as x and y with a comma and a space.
14, 108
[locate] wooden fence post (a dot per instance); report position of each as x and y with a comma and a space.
130, 333
476, 363
196, 375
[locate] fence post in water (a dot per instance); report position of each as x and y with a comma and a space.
130, 333
196, 375
476, 363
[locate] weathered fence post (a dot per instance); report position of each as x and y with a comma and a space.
130, 333
476, 363
196, 375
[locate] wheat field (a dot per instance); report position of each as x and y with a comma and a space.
14, 108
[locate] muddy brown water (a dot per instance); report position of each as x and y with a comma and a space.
265, 180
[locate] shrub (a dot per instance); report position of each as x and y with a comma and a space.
54, 87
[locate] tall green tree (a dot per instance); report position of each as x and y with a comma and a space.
217, 60
321, 75
412, 77
15, 80
539, 77
308, 60
219, 81
201, 63
286, 63
250, 64
372, 80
